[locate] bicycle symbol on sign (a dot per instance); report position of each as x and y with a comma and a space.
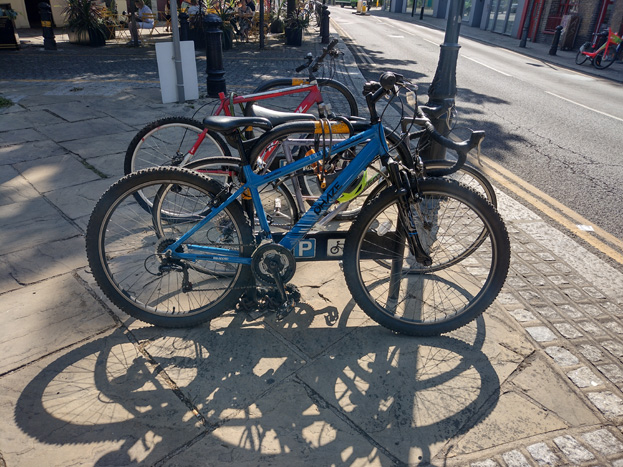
335, 247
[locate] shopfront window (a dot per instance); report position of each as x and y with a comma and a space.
502, 16
467, 8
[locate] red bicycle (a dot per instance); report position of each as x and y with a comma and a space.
601, 56
177, 141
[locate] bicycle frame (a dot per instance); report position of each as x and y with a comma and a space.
375, 145
313, 97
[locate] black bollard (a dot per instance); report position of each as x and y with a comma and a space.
45, 11
324, 28
184, 27
214, 55
554, 47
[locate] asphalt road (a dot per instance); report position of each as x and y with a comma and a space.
556, 129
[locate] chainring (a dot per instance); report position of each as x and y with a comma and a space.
273, 255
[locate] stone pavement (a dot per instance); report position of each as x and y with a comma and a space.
537, 380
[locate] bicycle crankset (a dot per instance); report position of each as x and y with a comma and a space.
272, 262
275, 265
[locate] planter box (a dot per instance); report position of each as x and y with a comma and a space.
294, 37
92, 37
8, 34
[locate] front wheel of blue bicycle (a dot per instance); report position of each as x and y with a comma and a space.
424, 298
127, 248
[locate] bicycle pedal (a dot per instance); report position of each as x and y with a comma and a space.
284, 310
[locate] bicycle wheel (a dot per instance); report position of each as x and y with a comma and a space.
420, 300
580, 58
166, 142
279, 205
333, 92
605, 59
125, 245
467, 175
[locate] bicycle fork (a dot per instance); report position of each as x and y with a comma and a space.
407, 185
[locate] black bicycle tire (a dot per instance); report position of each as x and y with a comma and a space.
599, 61
580, 58
129, 164
279, 83
97, 256
500, 261
472, 172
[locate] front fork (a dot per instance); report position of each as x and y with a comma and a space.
406, 183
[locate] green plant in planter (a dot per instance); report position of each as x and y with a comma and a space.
294, 25
8, 12
85, 22
226, 10
299, 19
276, 23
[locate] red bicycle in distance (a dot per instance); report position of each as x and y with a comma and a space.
600, 56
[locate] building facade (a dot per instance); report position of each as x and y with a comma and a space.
537, 18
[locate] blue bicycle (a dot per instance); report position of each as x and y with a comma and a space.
425, 256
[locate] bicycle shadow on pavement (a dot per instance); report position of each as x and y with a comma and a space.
244, 391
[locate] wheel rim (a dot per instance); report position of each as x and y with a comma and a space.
414, 294
128, 244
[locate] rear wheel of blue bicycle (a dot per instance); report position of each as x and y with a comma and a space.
127, 249
421, 299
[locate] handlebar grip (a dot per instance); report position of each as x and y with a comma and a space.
461, 148
300, 68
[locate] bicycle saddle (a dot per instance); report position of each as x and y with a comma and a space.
226, 124
275, 117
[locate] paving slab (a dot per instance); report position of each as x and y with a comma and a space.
98, 403
30, 223
79, 200
225, 366
414, 395
69, 111
289, 425
39, 262
111, 165
13, 187
9, 138
52, 314
326, 314
85, 128
95, 147
540, 382
53, 173
29, 150
34, 119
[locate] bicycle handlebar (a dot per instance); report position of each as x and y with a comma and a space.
312, 63
389, 83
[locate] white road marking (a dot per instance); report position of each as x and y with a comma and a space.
583, 106
486, 66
